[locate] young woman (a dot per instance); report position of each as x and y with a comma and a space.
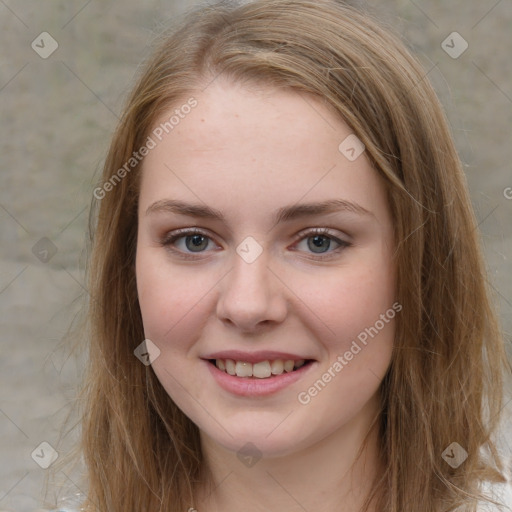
288, 302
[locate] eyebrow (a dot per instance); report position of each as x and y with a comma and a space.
286, 213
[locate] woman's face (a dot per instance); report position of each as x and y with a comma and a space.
265, 237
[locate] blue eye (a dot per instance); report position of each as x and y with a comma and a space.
319, 241
195, 241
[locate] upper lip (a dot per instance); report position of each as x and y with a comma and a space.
255, 357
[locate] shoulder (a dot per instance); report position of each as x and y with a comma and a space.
499, 492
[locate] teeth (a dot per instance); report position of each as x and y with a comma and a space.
230, 366
277, 367
243, 369
261, 370
288, 365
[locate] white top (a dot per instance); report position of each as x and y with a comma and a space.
502, 493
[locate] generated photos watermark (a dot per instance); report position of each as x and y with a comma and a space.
305, 397
152, 141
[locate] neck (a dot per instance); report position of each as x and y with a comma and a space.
334, 474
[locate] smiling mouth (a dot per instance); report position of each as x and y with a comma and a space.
261, 370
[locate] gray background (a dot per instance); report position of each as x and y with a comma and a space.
57, 115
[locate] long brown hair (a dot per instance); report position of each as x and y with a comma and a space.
447, 372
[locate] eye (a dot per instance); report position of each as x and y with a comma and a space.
193, 241
185, 242
319, 241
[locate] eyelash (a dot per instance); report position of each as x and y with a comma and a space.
172, 237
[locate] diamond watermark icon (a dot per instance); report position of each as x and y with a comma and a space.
351, 147
44, 249
44, 455
147, 352
249, 455
454, 455
454, 45
249, 250
44, 45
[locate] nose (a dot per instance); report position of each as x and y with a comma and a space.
252, 296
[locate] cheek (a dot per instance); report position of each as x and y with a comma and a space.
367, 326
350, 300
170, 299
174, 307
360, 310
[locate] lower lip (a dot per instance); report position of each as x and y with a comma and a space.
252, 386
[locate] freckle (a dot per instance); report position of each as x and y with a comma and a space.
202, 120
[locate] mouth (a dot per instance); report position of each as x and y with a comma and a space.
261, 370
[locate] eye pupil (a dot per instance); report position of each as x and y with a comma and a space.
320, 242
197, 242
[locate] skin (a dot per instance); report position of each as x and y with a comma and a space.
248, 151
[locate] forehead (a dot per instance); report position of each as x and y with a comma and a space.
266, 120
242, 147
